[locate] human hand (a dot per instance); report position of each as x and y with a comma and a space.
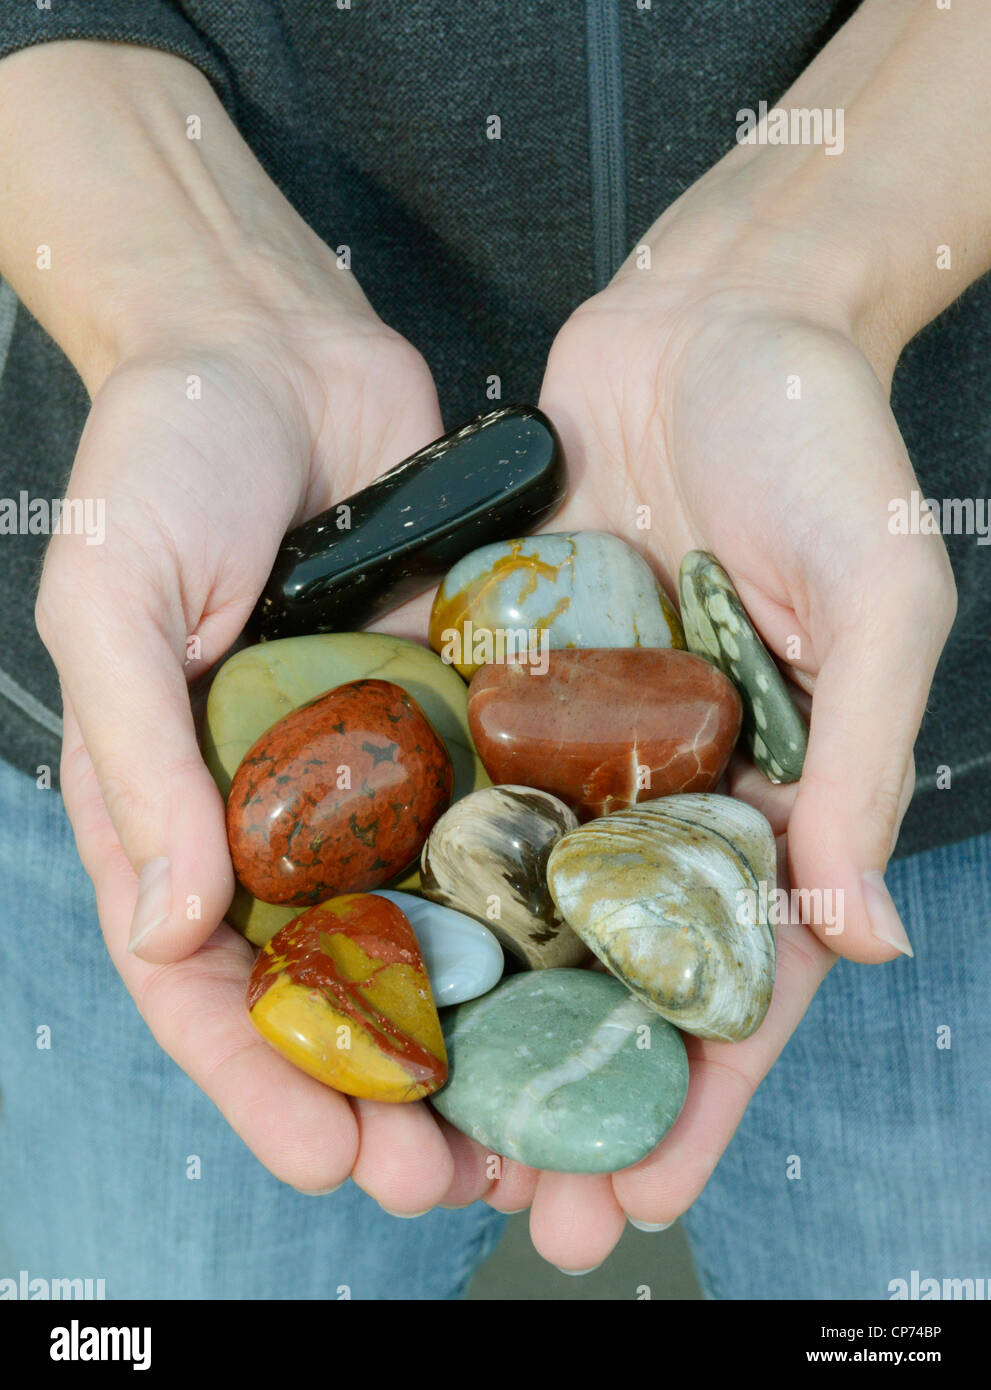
674, 390
244, 384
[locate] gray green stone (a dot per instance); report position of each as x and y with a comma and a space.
717, 628
562, 1070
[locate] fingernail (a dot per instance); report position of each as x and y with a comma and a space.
885, 922
649, 1225
323, 1192
577, 1273
154, 904
406, 1215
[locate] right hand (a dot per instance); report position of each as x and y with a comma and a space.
198, 494
304, 397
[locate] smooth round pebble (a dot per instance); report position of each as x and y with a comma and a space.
462, 957
562, 1070
260, 685
580, 588
487, 856
672, 896
337, 797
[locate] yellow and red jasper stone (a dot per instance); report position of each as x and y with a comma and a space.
343, 993
337, 797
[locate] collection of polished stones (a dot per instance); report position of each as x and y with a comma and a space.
430, 845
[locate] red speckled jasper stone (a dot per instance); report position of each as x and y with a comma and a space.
604, 729
338, 797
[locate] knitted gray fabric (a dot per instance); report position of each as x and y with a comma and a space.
372, 120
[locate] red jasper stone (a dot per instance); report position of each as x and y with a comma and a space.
338, 797
601, 729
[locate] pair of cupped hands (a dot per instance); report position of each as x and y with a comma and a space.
672, 389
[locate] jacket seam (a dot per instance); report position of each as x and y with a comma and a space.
607, 151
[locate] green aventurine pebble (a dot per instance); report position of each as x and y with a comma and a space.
717, 627
262, 684
562, 1069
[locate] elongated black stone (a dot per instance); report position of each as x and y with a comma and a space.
499, 476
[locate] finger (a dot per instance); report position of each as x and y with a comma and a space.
381, 408
775, 801
403, 1158
410, 620
575, 1220
399, 415
301, 1131
472, 1180
119, 645
722, 1079
857, 780
515, 1189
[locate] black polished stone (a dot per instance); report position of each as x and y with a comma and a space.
498, 477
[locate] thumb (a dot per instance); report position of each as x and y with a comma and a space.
118, 640
859, 773
116, 618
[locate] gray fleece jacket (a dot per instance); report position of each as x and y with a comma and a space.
372, 120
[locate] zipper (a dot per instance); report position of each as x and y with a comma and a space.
607, 150
8, 315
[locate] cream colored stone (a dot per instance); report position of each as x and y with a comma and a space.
672, 896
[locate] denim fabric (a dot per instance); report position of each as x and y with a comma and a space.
95, 1133
893, 1131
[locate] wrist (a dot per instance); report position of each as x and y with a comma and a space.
749, 234
878, 230
152, 236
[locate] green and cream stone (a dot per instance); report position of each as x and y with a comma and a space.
672, 895
260, 685
562, 1070
717, 628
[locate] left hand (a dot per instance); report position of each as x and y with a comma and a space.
670, 391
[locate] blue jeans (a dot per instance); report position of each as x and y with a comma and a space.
891, 1124
97, 1130
892, 1131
